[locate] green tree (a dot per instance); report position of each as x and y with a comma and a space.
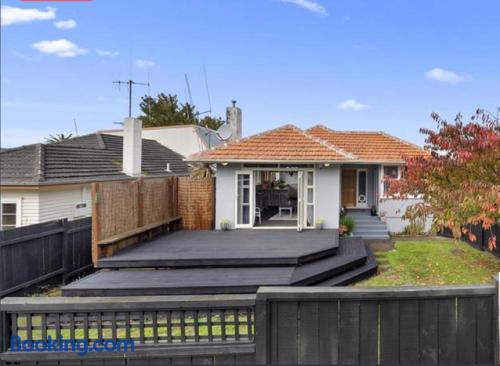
166, 110
58, 137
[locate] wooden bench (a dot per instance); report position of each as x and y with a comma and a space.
141, 230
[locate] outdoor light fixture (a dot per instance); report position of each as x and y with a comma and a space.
327, 164
224, 164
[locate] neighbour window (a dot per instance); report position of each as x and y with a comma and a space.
392, 172
8, 215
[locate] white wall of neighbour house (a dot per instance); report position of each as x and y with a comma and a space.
60, 203
225, 194
327, 190
27, 201
183, 140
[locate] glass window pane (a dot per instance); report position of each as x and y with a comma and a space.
391, 171
362, 183
246, 215
9, 220
310, 178
310, 215
8, 208
310, 195
246, 195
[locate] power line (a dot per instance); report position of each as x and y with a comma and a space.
130, 83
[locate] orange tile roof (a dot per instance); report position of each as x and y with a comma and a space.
286, 143
368, 146
317, 144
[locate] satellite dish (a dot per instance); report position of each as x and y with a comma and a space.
225, 132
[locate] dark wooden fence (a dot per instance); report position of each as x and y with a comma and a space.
436, 325
482, 237
378, 326
33, 254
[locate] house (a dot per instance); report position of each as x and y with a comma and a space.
183, 139
288, 177
44, 182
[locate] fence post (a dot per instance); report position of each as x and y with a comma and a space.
496, 313
261, 330
4, 331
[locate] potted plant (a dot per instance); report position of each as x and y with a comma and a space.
225, 225
346, 225
373, 210
320, 223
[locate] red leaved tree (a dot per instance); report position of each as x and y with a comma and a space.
459, 181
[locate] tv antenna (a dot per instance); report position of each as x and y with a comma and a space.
130, 83
188, 89
76, 126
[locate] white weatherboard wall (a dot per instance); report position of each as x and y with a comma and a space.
27, 204
225, 194
61, 203
327, 191
183, 140
391, 211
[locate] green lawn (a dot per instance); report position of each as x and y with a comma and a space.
432, 262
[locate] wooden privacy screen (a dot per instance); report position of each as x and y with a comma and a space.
196, 203
124, 211
130, 211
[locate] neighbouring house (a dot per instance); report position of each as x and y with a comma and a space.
183, 139
44, 182
191, 139
288, 177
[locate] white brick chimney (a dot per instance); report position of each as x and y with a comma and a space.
233, 119
132, 146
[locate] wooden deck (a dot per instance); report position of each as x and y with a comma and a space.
351, 254
273, 247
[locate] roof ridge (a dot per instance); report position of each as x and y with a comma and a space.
401, 140
288, 125
331, 146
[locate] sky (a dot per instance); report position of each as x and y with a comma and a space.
348, 64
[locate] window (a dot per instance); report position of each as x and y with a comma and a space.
391, 172
9, 216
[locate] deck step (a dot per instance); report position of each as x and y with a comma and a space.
354, 275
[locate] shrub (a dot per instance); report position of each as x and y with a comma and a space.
347, 223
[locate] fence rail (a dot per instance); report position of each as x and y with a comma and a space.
32, 254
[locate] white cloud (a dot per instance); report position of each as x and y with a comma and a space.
352, 105
107, 53
59, 48
309, 5
12, 15
444, 76
65, 24
144, 64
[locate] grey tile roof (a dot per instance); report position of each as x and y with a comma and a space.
89, 158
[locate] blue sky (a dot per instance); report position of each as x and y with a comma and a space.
349, 64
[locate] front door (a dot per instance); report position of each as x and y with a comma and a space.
349, 187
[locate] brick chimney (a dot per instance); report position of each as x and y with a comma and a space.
233, 119
132, 147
